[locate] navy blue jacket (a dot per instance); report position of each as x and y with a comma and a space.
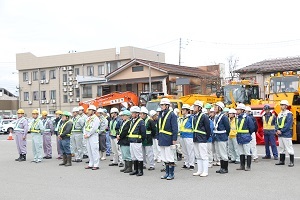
124, 141
223, 125
140, 129
286, 131
171, 126
244, 138
254, 123
204, 125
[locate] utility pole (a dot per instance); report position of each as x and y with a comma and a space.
179, 51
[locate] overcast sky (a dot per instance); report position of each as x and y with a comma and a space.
211, 31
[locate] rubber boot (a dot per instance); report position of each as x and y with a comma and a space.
281, 160
140, 168
179, 156
64, 159
171, 173
69, 163
248, 168
242, 163
103, 156
291, 161
167, 172
18, 159
23, 157
225, 168
205, 168
222, 166
125, 167
129, 167
200, 168
135, 168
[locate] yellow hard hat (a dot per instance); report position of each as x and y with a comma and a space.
58, 112
44, 113
20, 111
35, 112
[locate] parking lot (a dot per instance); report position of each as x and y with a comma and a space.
46, 180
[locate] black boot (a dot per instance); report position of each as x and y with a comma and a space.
135, 168
222, 166
64, 160
282, 160
248, 168
179, 156
69, 161
140, 168
126, 166
129, 167
291, 161
23, 157
18, 159
242, 164
225, 168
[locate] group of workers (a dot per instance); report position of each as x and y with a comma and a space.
205, 135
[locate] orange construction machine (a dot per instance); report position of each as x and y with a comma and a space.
116, 99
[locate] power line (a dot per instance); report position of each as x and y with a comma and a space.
162, 43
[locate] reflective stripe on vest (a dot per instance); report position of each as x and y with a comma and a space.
112, 127
268, 125
240, 129
162, 126
87, 126
281, 125
146, 123
124, 123
33, 127
17, 125
216, 124
74, 124
197, 124
182, 127
57, 125
62, 128
135, 136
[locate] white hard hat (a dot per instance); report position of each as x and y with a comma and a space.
186, 106
80, 108
158, 109
92, 107
176, 111
212, 110
121, 113
152, 113
165, 101
75, 109
192, 107
198, 103
144, 110
220, 104
247, 108
232, 111
100, 110
241, 106
114, 110
204, 111
135, 109
284, 102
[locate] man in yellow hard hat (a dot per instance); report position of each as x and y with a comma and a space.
57, 124
20, 130
48, 124
36, 130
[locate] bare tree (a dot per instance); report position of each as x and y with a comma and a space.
232, 65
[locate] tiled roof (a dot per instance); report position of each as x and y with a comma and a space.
273, 65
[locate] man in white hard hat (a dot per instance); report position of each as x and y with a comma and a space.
201, 134
137, 134
186, 134
102, 133
148, 142
232, 142
244, 129
156, 149
90, 133
221, 132
168, 131
77, 135
283, 127
84, 142
253, 135
114, 127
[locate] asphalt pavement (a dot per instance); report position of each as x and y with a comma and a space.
47, 180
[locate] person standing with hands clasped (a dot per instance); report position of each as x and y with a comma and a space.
20, 130
37, 128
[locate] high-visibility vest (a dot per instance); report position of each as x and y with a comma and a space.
17, 128
216, 124
33, 126
112, 127
163, 124
239, 128
57, 125
88, 126
197, 124
74, 123
182, 126
124, 123
132, 128
45, 124
233, 131
146, 125
268, 124
62, 128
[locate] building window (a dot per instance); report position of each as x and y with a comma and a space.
100, 69
87, 91
77, 92
35, 76
53, 94
99, 90
128, 87
90, 70
173, 88
112, 66
35, 95
76, 71
138, 69
43, 95
65, 78
65, 98
155, 87
43, 75
25, 76
26, 96
52, 74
